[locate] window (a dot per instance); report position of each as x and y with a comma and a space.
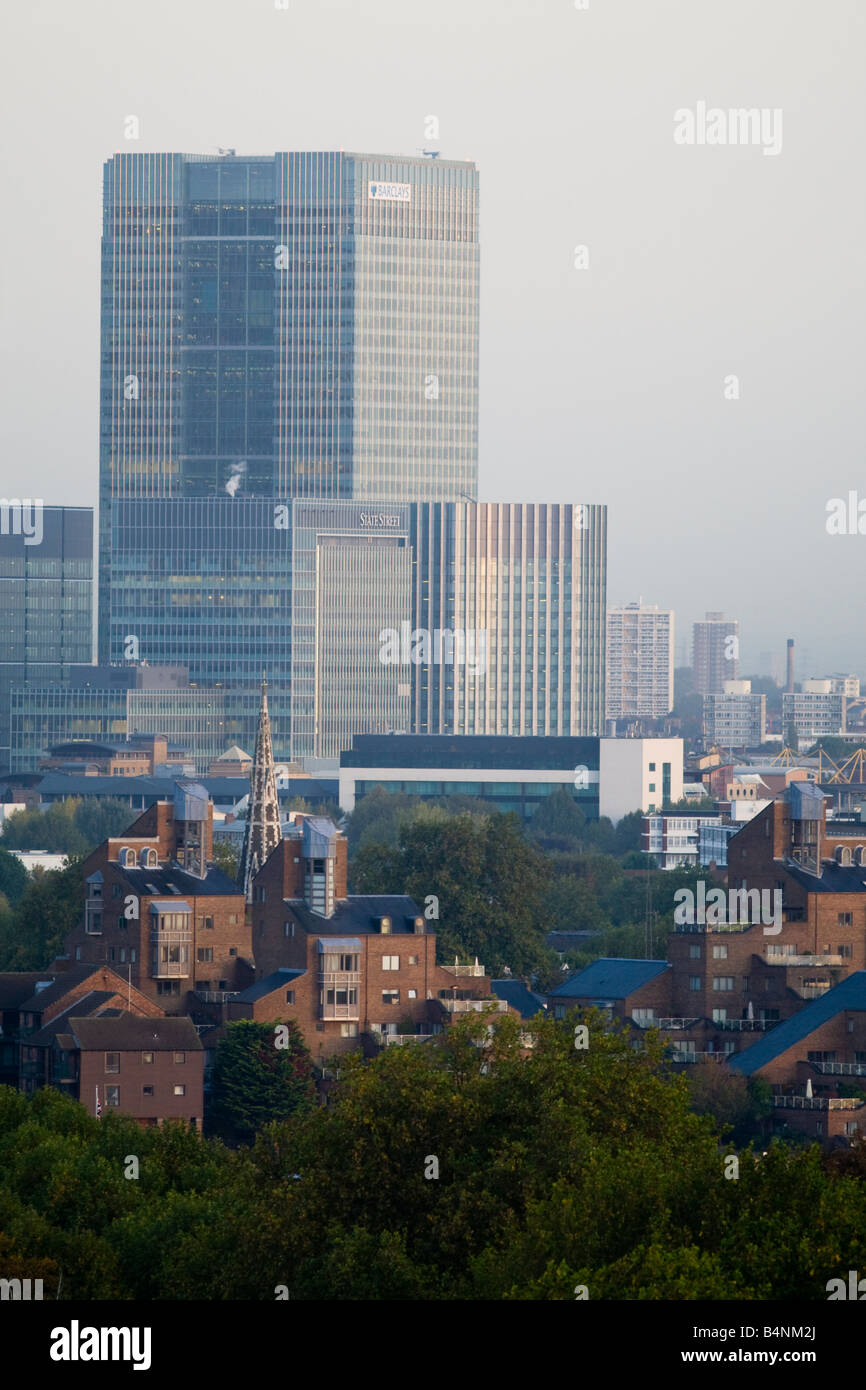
147, 1090
111, 953
852, 1127
123, 955
112, 1095
652, 786
694, 982
719, 1015
205, 953
694, 953
180, 1057
290, 996
147, 1059
846, 951
78, 953
413, 960
390, 962
413, 994
168, 986
821, 1056
112, 1061
390, 996
652, 767
258, 895
845, 919
348, 1030
722, 983
208, 923
233, 950
720, 953
179, 1088
117, 890
232, 919
288, 929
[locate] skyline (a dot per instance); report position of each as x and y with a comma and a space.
702, 261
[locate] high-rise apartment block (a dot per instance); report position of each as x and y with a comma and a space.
715, 653
816, 711
640, 662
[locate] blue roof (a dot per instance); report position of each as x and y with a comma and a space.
609, 978
516, 993
850, 993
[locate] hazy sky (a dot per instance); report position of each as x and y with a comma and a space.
599, 385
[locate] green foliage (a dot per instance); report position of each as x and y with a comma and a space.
73, 826
553, 1168
487, 877
256, 1082
14, 878
226, 857
32, 933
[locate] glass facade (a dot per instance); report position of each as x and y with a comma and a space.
46, 603
293, 324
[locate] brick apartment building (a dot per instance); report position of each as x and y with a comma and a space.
157, 909
345, 965
151, 1069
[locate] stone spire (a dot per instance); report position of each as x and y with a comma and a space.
262, 833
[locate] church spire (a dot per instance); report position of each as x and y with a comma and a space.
262, 833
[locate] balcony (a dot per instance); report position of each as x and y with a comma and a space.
215, 996
818, 1103
398, 1039
476, 1006
337, 983
465, 971
840, 1068
705, 927
665, 1024
339, 979
746, 1025
810, 991
680, 1056
803, 960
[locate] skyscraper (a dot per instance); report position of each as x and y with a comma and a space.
293, 324
715, 653
640, 661
46, 599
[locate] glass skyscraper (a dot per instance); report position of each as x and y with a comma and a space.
294, 324
46, 600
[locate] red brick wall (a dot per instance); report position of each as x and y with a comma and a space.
162, 1074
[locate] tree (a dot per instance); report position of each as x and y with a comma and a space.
14, 878
486, 876
560, 815
33, 933
262, 1072
225, 856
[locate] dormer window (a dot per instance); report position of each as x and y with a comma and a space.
385, 926
148, 859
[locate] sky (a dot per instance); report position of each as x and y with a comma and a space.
698, 366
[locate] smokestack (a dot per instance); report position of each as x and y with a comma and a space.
790, 685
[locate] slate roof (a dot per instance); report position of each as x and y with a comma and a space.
850, 993
355, 915
215, 882
518, 996
609, 978
18, 985
88, 1004
835, 878
130, 1034
278, 979
62, 981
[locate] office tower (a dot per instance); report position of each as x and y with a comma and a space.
300, 325
439, 617
715, 653
46, 599
640, 662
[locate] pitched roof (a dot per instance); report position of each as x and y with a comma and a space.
356, 915
233, 755
130, 1034
850, 993
834, 878
278, 979
62, 981
15, 986
516, 993
609, 978
86, 1006
215, 882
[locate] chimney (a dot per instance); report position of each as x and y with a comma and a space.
790, 682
